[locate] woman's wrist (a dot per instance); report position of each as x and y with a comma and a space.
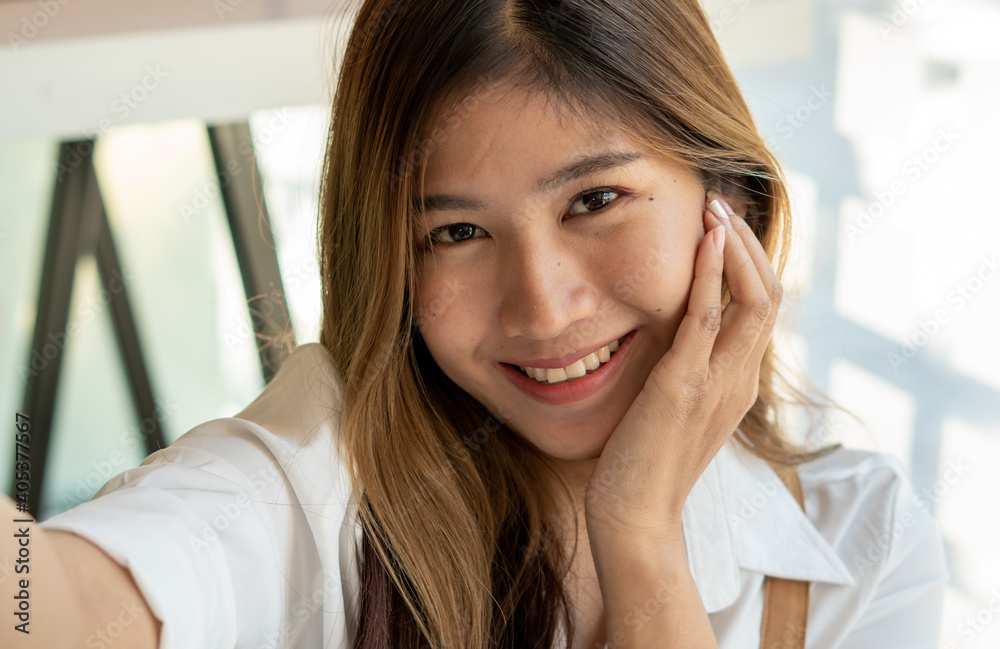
649, 593
659, 548
643, 533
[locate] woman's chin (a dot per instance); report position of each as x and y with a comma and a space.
573, 447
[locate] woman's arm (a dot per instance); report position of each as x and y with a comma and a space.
70, 593
649, 594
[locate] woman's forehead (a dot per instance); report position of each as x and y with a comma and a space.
495, 127
515, 98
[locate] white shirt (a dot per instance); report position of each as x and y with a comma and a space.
242, 534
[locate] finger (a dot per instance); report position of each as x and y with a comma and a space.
695, 337
767, 276
749, 306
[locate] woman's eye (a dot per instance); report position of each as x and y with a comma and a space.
456, 233
452, 233
594, 199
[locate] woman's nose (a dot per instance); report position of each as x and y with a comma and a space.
545, 288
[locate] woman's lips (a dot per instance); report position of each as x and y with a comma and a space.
565, 360
571, 391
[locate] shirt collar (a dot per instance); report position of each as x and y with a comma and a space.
739, 515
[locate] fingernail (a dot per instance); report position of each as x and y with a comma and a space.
725, 204
720, 211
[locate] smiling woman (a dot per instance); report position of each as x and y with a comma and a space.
541, 270
545, 409
549, 167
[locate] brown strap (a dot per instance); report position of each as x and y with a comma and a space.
786, 601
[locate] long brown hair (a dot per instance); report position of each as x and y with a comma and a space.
455, 551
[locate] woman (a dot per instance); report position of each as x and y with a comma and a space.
544, 407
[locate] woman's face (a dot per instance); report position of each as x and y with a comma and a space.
531, 271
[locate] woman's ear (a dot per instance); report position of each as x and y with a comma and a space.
738, 206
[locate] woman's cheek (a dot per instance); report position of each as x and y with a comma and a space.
446, 314
438, 293
658, 270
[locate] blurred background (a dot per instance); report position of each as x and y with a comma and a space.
176, 125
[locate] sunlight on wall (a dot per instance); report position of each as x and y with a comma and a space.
971, 528
886, 410
919, 266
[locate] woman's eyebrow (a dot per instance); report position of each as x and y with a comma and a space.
577, 168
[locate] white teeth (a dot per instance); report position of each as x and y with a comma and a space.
574, 371
555, 374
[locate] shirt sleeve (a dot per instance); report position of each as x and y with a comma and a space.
906, 605
214, 538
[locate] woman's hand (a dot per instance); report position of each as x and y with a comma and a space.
695, 396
